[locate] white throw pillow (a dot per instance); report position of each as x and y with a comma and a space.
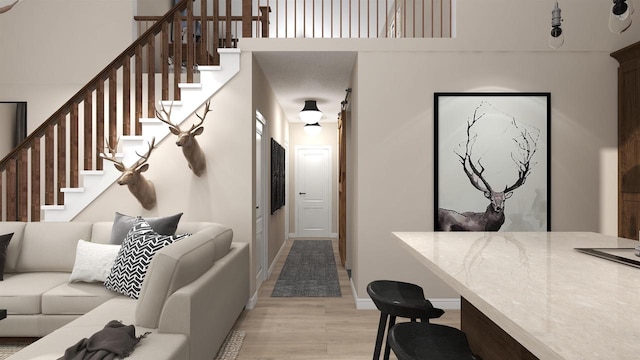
93, 261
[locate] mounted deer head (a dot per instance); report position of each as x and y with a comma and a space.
138, 185
493, 217
187, 139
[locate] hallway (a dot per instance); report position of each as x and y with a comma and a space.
312, 328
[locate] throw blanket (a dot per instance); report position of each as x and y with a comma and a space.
114, 341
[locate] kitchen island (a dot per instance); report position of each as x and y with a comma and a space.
532, 295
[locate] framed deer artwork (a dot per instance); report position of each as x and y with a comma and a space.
492, 161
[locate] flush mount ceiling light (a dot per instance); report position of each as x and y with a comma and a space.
620, 16
310, 114
312, 129
556, 38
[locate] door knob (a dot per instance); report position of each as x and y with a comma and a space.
302, 193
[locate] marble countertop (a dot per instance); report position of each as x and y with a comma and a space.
557, 302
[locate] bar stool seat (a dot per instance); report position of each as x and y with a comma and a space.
398, 299
418, 341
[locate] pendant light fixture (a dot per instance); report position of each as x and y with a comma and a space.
620, 16
310, 114
556, 38
312, 129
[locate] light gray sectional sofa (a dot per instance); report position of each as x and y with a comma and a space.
193, 292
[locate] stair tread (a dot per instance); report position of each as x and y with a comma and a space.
190, 85
72, 190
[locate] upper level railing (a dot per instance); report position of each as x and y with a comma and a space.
335, 19
107, 107
357, 18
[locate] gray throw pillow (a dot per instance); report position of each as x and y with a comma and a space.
4, 244
165, 225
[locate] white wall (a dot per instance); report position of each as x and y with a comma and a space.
395, 158
277, 127
50, 49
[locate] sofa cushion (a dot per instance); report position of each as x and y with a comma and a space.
154, 346
93, 261
4, 245
75, 298
177, 265
17, 228
51, 246
21, 293
138, 249
165, 225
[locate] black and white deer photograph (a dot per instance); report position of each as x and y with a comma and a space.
492, 162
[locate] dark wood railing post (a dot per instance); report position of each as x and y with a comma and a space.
247, 15
49, 150
35, 180
12, 191
228, 24
264, 20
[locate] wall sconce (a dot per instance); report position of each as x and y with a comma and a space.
310, 114
556, 38
620, 16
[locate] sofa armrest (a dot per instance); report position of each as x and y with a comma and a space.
206, 309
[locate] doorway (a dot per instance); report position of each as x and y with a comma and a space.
260, 173
313, 191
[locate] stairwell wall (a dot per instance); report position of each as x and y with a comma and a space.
223, 193
277, 127
51, 49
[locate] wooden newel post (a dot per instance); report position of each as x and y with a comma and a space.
264, 20
246, 18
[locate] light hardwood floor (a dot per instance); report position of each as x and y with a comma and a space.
312, 328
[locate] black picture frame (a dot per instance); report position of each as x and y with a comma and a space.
277, 176
506, 136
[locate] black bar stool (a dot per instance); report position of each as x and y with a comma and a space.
418, 341
398, 299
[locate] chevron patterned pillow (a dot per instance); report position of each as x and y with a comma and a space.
132, 262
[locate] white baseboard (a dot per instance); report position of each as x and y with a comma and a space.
253, 300
275, 259
333, 235
441, 303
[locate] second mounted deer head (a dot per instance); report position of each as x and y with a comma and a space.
187, 138
138, 185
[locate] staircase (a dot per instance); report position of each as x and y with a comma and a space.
57, 170
194, 95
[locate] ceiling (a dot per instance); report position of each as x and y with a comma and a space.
298, 76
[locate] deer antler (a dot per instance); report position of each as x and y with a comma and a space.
473, 173
527, 145
113, 150
165, 116
204, 115
144, 158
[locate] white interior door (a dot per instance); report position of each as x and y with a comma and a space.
313, 191
261, 248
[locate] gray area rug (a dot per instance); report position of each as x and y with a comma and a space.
309, 271
228, 351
